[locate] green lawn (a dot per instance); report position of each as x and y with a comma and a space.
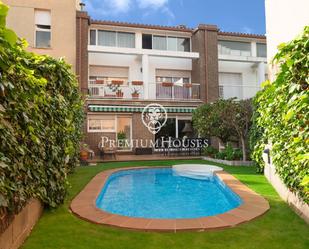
278, 228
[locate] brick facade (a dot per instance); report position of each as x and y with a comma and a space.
82, 27
205, 69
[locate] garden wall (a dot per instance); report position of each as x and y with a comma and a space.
299, 206
21, 225
231, 163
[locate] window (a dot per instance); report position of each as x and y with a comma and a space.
147, 41
183, 44
234, 48
230, 85
172, 43
261, 50
113, 39
159, 42
125, 40
107, 38
166, 43
124, 130
102, 124
93, 37
42, 29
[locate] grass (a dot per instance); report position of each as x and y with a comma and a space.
278, 228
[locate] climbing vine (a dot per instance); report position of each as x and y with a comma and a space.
283, 116
40, 124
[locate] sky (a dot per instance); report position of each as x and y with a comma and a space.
246, 16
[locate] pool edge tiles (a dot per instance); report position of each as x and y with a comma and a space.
84, 206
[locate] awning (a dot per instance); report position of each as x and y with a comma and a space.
118, 108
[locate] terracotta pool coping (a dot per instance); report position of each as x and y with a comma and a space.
83, 205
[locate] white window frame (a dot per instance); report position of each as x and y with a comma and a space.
101, 118
36, 28
167, 36
116, 41
225, 86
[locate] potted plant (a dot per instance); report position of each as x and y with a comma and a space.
167, 84
117, 82
187, 85
84, 152
137, 83
135, 94
121, 135
119, 93
99, 81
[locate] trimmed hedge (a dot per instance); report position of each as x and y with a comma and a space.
41, 116
283, 116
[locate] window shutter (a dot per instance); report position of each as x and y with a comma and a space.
42, 17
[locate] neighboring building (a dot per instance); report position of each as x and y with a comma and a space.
123, 67
177, 67
49, 26
284, 21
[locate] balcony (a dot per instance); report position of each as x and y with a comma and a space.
172, 91
238, 91
115, 89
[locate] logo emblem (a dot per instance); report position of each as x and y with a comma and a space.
154, 117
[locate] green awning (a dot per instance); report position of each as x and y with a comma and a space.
115, 108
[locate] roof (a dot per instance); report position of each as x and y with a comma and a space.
180, 28
238, 34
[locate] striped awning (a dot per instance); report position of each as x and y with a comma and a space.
118, 108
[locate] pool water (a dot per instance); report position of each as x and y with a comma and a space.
159, 193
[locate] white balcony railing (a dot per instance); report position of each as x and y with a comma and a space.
238, 91
172, 91
115, 89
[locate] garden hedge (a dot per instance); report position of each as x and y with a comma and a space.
283, 116
41, 116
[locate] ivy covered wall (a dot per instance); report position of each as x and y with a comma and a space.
40, 124
282, 116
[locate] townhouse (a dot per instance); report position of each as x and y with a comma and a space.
123, 67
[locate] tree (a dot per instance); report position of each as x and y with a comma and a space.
236, 116
207, 120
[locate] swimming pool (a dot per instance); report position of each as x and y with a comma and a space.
161, 194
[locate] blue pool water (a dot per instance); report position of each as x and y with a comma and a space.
159, 193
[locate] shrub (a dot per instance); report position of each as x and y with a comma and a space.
209, 151
237, 154
229, 153
256, 140
40, 124
283, 116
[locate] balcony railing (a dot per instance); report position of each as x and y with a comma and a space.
186, 91
116, 89
238, 91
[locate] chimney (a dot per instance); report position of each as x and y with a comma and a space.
82, 6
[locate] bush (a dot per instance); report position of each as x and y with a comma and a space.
41, 116
210, 151
284, 117
256, 140
229, 153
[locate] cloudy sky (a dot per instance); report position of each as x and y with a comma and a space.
230, 15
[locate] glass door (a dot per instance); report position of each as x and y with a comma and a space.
124, 133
